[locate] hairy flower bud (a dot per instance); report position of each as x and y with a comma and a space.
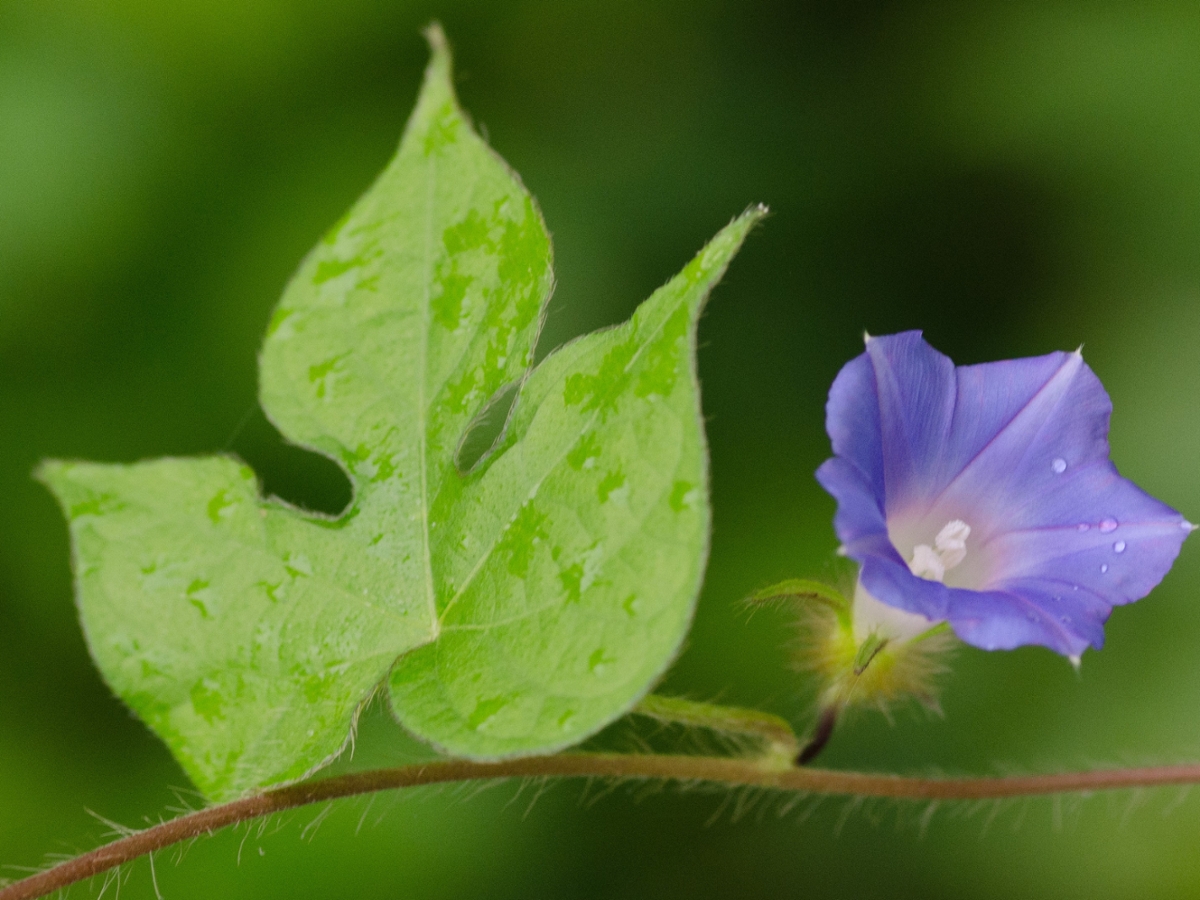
871, 655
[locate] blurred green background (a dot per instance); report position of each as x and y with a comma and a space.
1013, 178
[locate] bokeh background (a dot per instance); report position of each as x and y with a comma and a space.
1012, 178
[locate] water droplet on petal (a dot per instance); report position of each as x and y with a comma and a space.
1104, 568
1059, 465
1084, 526
1107, 525
1119, 547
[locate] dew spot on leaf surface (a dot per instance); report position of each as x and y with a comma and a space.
578, 577
196, 594
611, 481
521, 537
272, 590
97, 505
487, 709
683, 496
297, 565
603, 388
572, 581
462, 394
316, 687
278, 317
472, 233
319, 374
384, 467
599, 661
661, 369
443, 130
522, 248
584, 454
218, 505
448, 303
329, 269
207, 701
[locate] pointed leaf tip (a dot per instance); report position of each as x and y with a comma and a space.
439, 46
752, 216
439, 72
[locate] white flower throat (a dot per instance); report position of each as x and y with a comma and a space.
948, 550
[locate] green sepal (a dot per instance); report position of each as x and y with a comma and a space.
804, 589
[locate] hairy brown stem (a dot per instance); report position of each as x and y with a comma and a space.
712, 770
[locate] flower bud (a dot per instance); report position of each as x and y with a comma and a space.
868, 654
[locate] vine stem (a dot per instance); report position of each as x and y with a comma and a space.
727, 771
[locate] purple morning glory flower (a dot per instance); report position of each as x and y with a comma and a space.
983, 496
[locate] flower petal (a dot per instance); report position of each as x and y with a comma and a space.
1002, 620
1059, 427
889, 581
852, 422
914, 391
859, 521
1029, 612
1097, 531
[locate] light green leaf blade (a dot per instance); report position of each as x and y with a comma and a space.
243, 633
542, 592
417, 308
248, 634
567, 568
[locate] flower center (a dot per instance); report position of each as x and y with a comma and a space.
948, 550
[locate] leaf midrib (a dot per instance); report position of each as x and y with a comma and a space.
422, 424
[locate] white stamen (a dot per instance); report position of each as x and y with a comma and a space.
951, 549
951, 542
926, 563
